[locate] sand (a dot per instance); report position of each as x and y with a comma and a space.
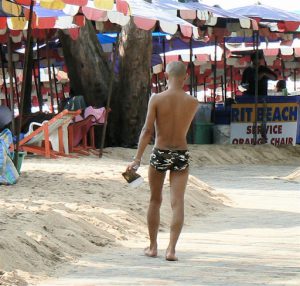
64, 208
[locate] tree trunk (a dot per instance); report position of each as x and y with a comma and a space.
88, 67
135, 49
90, 72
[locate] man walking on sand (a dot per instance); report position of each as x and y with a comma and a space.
169, 114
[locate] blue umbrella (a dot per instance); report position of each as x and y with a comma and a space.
266, 13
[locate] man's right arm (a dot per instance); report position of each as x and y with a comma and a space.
146, 133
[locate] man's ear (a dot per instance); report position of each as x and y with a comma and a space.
166, 75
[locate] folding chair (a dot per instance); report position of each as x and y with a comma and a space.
32, 142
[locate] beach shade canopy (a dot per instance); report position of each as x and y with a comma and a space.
286, 21
193, 10
5, 116
212, 22
44, 18
145, 16
14, 15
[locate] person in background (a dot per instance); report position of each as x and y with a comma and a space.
264, 74
281, 87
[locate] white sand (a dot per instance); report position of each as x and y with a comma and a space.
64, 208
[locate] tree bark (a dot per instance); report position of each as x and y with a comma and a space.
135, 50
88, 67
90, 73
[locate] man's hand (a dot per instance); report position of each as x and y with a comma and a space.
133, 166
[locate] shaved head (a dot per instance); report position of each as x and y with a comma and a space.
176, 69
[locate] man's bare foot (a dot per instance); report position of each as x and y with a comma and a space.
150, 252
170, 256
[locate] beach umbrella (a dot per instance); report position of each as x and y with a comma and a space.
145, 16
277, 20
6, 116
273, 18
221, 23
266, 13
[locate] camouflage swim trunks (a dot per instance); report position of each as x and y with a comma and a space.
174, 160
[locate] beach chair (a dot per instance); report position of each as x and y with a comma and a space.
80, 131
78, 135
38, 141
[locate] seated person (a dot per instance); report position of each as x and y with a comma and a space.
281, 87
264, 74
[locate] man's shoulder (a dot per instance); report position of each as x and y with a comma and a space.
155, 96
192, 99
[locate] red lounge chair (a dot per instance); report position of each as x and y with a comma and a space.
80, 130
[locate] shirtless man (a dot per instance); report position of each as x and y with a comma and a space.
170, 114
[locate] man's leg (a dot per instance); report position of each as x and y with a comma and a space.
178, 181
156, 181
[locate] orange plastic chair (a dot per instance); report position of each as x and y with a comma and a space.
32, 142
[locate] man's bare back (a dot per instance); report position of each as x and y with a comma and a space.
174, 111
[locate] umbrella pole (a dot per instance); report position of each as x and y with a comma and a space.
231, 82
196, 87
11, 84
215, 82
295, 80
36, 87
225, 73
55, 86
25, 71
164, 52
204, 89
40, 96
157, 86
191, 67
110, 87
3, 75
222, 85
49, 72
255, 42
16, 84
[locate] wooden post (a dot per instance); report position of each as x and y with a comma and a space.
16, 84
49, 72
215, 83
3, 75
295, 80
56, 90
37, 88
110, 87
255, 43
11, 85
25, 71
191, 67
40, 96
225, 73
